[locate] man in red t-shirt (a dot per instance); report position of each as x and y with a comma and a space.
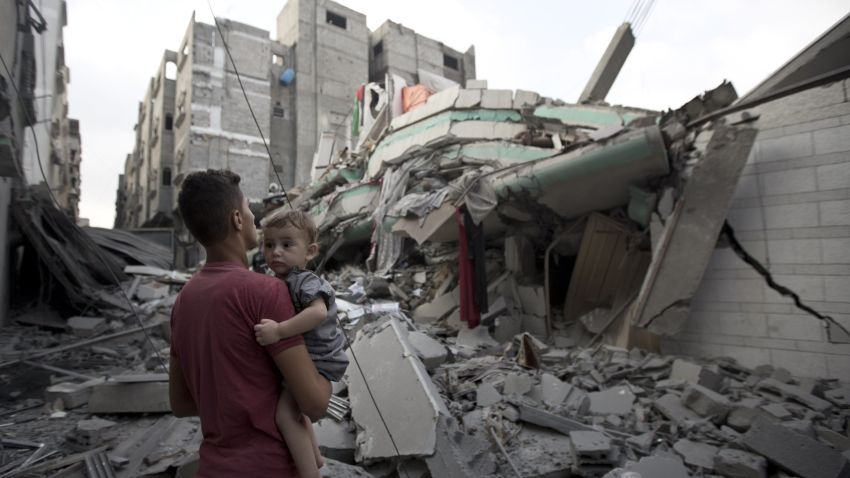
218, 371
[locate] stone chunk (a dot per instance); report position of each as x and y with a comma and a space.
691, 372
87, 326
517, 384
590, 447
696, 454
553, 390
671, 407
740, 464
741, 417
487, 395
796, 394
705, 402
795, 453
614, 401
777, 410
642, 442
660, 466
431, 352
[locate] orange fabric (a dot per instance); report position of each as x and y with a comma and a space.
413, 96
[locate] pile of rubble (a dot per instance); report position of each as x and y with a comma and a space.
503, 263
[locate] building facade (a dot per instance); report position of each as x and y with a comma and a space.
301, 86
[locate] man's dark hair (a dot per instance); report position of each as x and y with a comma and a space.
206, 200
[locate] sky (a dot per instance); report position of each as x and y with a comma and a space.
114, 47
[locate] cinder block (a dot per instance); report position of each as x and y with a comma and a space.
832, 140
794, 251
787, 182
794, 327
835, 213
837, 289
791, 215
786, 147
476, 84
833, 176
497, 99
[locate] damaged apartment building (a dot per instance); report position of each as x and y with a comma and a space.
300, 86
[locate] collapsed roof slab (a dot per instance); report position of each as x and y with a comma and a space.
690, 234
409, 402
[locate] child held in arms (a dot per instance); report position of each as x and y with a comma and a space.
289, 243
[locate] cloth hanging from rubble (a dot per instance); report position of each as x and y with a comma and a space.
472, 269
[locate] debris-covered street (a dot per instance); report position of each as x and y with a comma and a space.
528, 287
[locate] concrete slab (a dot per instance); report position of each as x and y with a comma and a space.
73, 395
793, 393
335, 439
497, 99
590, 446
538, 452
431, 352
553, 391
795, 453
437, 309
614, 401
696, 453
408, 400
671, 407
87, 326
705, 402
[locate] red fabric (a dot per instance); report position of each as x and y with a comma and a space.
361, 93
233, 380
469, 312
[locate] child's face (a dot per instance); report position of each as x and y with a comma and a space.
287, 247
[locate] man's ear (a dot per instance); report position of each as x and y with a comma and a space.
236, 219
312, 251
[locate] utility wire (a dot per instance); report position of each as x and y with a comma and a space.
96, 249
348, 343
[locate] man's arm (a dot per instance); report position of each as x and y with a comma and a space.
182, 403
310, 390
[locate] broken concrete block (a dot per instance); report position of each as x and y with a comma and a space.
431, 352
486, 395
335, 439
666, 466
550, 420
497, 99
438, 308
642, 442
538, 452
590, 447
839, 396
696, 454
741, 417
87, 326
147, 293
459, 454
532, 300
614, 401
705, 402
517, 385
794, 452
73, 395
777, 410
691, 372
469, 98
792, 393
671, 407
525, 99
405, 394
91, 433
118, 396
553, 391
740, 464
476, 84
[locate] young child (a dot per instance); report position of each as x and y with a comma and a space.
289, 242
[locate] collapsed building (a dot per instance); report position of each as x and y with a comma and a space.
513, 274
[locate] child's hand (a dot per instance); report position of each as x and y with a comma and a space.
266, 332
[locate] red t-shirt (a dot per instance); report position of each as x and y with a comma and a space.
232, 379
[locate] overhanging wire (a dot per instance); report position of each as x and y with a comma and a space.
339, 323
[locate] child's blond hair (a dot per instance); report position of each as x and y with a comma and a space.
283, 217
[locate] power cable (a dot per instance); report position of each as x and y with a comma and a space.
339, 323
